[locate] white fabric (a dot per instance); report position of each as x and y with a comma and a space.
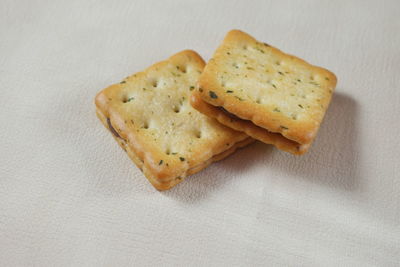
69, 196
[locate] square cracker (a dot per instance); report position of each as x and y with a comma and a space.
266, 90
150, 117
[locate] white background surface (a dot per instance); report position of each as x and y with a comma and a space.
69, 196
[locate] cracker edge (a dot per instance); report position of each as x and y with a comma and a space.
140, 153
303, 133
248, 127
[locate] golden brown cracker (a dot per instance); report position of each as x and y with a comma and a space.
150, 116
275, 91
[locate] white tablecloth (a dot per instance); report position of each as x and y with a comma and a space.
69, 196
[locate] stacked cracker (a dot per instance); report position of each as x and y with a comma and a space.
248, 90
273, 97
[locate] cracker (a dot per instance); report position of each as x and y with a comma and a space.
150, 117
266, 88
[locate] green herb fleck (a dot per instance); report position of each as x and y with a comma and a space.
277, 110
274, 86
228, 53
250, 68
284, 127
174, 153
130, 99
122, 82
326, 78
161, 162
229, 91
182, 159
191, 88
281, 73
240, 99
260, 50
300, 105
212, 94
299, 80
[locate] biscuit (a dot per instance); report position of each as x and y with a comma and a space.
268, 92
150, 116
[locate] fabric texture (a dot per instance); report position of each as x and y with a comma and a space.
70, 196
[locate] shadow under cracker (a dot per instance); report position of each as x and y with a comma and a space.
333, 158
195, 185
201, 184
